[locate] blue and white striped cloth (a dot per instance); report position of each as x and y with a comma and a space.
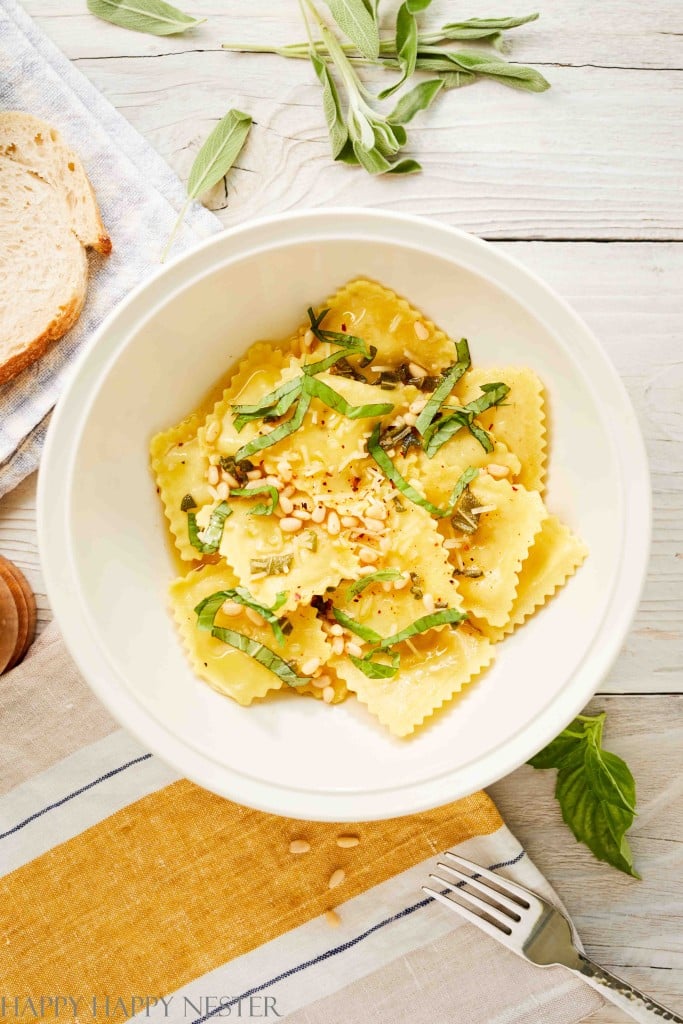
139, 197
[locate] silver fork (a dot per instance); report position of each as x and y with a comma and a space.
533, 929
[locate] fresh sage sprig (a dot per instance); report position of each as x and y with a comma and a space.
358, 21
406, 41
214, 160
153, 16
595, 790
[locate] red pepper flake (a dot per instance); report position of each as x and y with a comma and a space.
515, 488
343, 327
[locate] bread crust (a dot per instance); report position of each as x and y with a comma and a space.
39, 149
39, 346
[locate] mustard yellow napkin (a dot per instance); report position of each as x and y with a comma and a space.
128, 892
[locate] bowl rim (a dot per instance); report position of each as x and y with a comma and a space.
60, 573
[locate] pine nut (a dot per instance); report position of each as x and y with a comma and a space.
212, 431
349, 522
222, 490
214, 493
347, 841
428, 602
308, 338
299, 846
254, 474
376, 510
352, 648
254, 617
387, 587
417, 406
366, 570
309, 667
338, 645
498, 472
417, 371
321, 682
214, 459
228, 479
328, 694
402, 582
336, 878
232, 608
333, 524
253, 484
420, 330
410, 419
332, 918
302, 514
368, 555
290, 525
336, 630
275, 482
213, 475
318, 514
286, 504
373, 525
289, 490
394, 323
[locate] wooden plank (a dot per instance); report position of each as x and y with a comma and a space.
600, 156
613, 33
634, 928
630, 296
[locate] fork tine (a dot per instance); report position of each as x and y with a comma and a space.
509, 888
469, 915
504, 902
478, 906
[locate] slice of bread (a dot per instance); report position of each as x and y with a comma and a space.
48, 216
40, 148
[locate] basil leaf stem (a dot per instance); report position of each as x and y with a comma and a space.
207, 609
213, 533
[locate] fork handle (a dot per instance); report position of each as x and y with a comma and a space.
639, 1006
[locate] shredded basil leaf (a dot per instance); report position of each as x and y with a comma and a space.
447, 384
278, 433
464, 480
187, 503
444, 429
364, 632
271, 406
448, 616
272, 565
261, 509
318, 389
262, 654
377, 669
207, 609
376, 452
381, 576
213, 532
337, 337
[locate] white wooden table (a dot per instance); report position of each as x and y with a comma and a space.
583, 185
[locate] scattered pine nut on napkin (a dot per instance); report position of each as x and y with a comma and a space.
122, 880
139, 198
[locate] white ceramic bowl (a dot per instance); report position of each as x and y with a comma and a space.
104, 542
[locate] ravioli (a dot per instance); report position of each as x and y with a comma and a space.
392, 569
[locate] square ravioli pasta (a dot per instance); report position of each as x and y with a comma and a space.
364, 509
227, 669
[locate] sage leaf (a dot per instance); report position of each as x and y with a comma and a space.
358, 23
219, 152
406, 47
336, 126
213, 161
517, 76
418, 98
153, 16
482, 28
595, 790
